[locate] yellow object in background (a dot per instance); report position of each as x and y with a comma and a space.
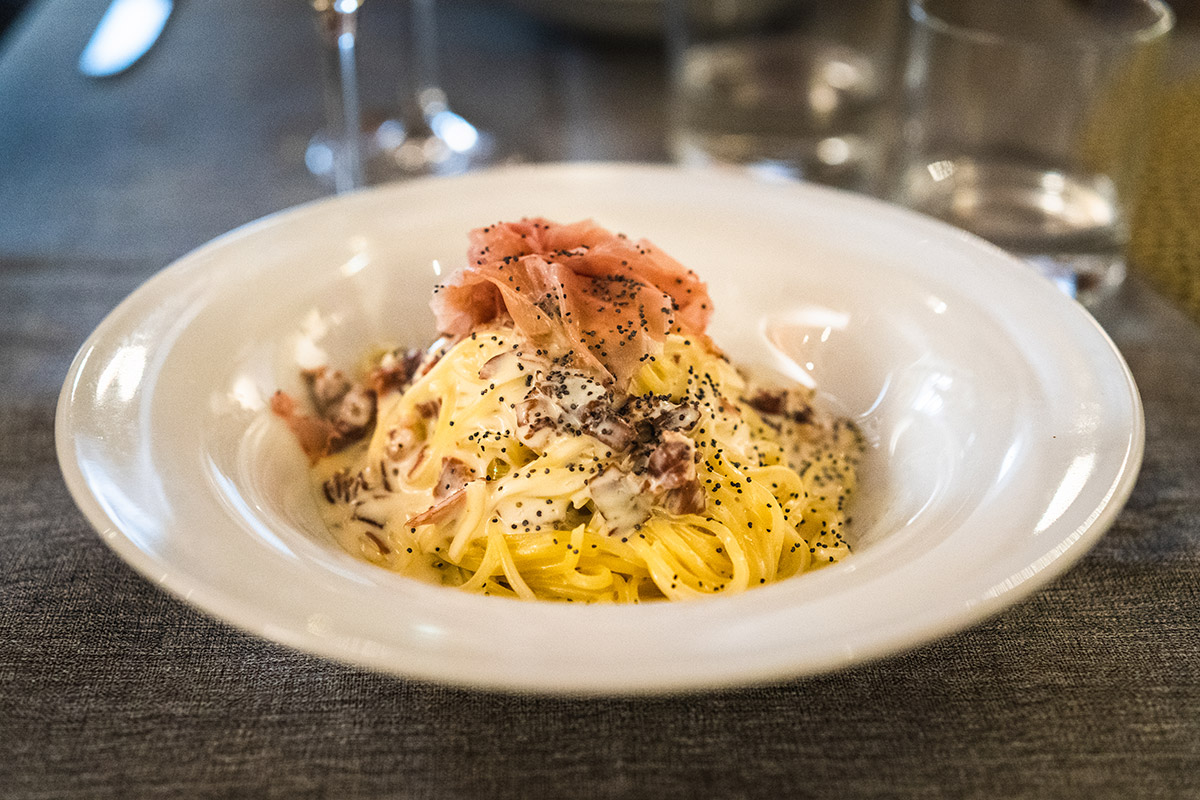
1165, 239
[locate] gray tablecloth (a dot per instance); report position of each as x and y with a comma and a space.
111, 688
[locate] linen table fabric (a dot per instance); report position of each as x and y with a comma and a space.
109, 687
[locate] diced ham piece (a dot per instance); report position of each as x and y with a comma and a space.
442, 510
672, 463
316, 435
687, 499
346, 412
792, 404
454, 477
537, 420
326, 387
430, 408
395, 371
611, 430
353, 415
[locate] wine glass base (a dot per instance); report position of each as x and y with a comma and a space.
321, 156
446, 145
390, 151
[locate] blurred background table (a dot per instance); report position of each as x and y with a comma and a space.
111, 688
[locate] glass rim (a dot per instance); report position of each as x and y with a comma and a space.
1163, 23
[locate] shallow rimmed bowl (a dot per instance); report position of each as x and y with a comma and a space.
1006, 431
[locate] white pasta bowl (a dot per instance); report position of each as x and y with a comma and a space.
1005, 429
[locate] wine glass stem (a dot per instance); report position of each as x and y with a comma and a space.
339, 31
427, 94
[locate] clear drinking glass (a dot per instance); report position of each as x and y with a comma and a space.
791, 88
1026, 124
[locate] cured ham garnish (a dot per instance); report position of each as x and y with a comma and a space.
578, 290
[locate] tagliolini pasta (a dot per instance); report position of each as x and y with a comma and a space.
518, 458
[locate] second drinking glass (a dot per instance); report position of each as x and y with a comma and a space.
1026, 124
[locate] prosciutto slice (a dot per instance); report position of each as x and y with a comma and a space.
580, 291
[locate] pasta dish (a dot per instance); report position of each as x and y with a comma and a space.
574, 435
